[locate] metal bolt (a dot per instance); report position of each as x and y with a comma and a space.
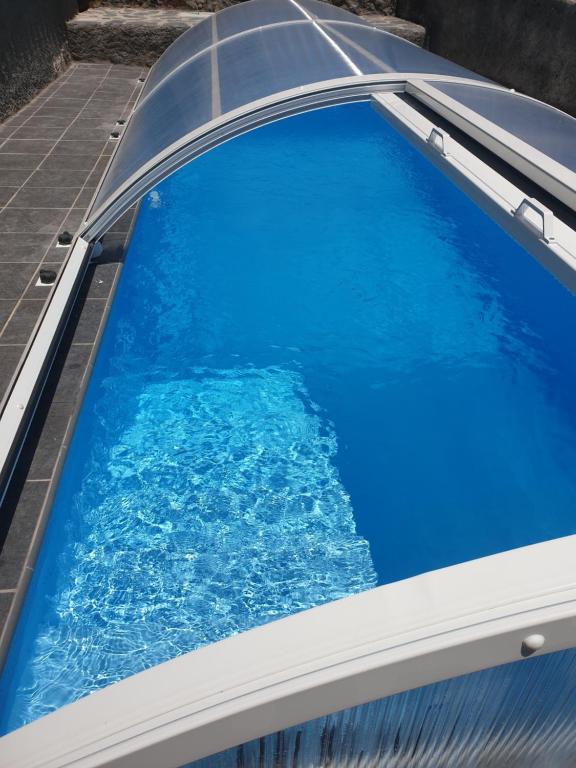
531, 644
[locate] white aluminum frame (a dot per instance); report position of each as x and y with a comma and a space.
384, 641
546, 172
23, 389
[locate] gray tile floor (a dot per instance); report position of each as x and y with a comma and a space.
52, 155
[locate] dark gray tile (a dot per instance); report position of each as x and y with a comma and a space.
57, 102
96, 176
85, 133
28, 146
6, 307
5, 603
28, 131
49, 436
14, 280
41, 220
108, 100
9, 358
56, 255
14, 178
23, 246
85, 198
93, 66
70, 111
77, 92
126, 69
45, 197
24, 521
69, 368
69, 163
22, 322
48, 121
73, 220
116, 92
19, 162
113, 111
58, 179
6, 193
105, 122
99, 279
109, 148
85, 321
85, 148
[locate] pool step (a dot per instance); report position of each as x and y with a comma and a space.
138, 36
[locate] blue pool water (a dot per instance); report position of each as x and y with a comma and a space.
324, 370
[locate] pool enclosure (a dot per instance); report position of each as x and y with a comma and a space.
469, 665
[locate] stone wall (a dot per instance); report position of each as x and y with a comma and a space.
356, 6
33, 48
529, 45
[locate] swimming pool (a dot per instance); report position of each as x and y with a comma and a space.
357, 379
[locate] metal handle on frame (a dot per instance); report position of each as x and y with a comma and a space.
439, 140
545, 227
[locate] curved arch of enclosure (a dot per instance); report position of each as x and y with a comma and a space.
262, 60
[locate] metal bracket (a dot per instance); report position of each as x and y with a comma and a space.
536, 217
440, 141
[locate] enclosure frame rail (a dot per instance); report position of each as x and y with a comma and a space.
534, 164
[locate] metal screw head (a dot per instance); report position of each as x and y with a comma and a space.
531, 644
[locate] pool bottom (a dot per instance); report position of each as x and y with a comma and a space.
221, 494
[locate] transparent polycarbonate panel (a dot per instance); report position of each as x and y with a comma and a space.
375, 51
273, 60
543, 127
254, 14
521, 715
197, 39
230, 21
327, 11
181, 104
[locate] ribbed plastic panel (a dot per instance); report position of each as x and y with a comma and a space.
520, 715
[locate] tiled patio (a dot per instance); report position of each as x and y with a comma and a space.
52, 155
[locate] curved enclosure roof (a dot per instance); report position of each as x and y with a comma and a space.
254, 55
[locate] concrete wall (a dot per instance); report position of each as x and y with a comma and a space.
529, 45
33, 48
